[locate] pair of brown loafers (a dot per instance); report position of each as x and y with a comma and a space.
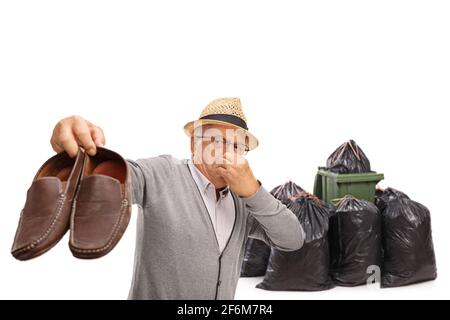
89, 195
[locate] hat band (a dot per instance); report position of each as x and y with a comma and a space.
227, 118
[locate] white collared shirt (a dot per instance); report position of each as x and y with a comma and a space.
221, 211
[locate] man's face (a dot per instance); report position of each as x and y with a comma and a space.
209, 145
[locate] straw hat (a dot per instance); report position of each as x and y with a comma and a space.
227, 111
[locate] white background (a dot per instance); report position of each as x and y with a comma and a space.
310, 75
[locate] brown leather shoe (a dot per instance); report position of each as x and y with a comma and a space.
102, 209
45, 217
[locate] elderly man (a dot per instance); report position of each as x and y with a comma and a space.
195, 215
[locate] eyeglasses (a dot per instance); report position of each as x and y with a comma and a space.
220, 142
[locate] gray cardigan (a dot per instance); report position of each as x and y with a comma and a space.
177, 254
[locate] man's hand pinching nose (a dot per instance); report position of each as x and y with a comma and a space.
236, 171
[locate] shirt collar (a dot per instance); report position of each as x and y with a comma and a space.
202, 182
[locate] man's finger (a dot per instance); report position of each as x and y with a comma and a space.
230, 174
56, 147
220, 161
228, 156
67, 142
98, 136
233, 158
83, 135
224, 166
222, 172
227, 162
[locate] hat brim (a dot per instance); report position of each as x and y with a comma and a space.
192, 125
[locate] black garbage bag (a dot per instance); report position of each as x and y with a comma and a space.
407, 241
306, 269
257, 252
256, 257
355, 237
348, 158
286, 191
382, 197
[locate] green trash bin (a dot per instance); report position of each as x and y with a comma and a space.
329, 185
